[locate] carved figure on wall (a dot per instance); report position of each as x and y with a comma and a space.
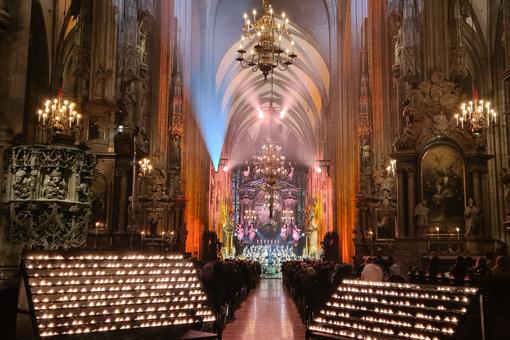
366, 153
397, 43
175, 152
395, 9
421, 213
440, 124
141, 44
357, 239
143, 140
23, 185
153, 223
471, 213
384, 185
407, 139
82, 189
77, 132
128, 101
101, 77
182, 235
54, 186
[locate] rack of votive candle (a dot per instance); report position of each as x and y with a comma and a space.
380, 310
76, 293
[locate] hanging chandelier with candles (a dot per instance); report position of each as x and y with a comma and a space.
59, 115
265, 37
475, 116
270, 163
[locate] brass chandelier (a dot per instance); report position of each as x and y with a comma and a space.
475, 116
270, 163
59, 115
267, 34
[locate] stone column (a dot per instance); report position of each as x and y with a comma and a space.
411, 202
484, 205
399, 232
475, 173
122, 199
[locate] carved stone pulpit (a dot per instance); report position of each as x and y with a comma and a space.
46, 198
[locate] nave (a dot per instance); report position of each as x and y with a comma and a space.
191, 169
268, 313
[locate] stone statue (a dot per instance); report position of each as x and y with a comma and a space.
357, 239
182, 235
440, 124
82, 189
175, 152
421, 213
228, 231
153, 224
23, 184
366, 153
54, 186
471, 213
129, 100
141, 44
101, 77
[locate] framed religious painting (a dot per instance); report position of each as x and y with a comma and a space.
443, 188
97, 129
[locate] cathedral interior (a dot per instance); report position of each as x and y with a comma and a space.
295, 169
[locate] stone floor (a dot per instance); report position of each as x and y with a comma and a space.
267, 314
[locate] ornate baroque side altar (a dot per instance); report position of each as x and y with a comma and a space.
46, 196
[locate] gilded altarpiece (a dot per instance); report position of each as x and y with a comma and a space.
441, 168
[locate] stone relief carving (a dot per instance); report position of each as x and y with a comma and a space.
54, 187
410, 50
428, 112
23, 184
100, 79
440, 124
128, 102
384, 183
434, 96
31, 219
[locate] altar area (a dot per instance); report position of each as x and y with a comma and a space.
270, 246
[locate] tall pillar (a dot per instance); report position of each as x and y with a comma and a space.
475, 173
411, 202
399, 232
487, 226
122, 199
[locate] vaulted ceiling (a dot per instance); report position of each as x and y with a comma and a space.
237, 93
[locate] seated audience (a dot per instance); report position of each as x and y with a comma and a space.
491, 261
480, 269
372, 271
500, 268
459, 269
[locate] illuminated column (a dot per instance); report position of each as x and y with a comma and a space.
399, 231
487, 227
475, 174
411, 201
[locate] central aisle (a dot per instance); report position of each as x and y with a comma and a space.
267, 314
